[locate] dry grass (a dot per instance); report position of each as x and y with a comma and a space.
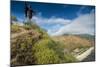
72, 42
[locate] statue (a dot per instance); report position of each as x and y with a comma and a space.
29, 12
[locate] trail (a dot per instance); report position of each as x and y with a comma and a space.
85, 54
19, 34
35, 35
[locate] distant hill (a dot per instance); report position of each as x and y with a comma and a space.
72, 42
86, 36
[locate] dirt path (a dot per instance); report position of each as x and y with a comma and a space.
19, 34
85, 54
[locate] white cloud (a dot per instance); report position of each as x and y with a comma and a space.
83, 24
52, 24
53, 20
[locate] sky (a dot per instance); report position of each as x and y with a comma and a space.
59, 19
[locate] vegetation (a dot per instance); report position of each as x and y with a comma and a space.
15, 29
87, 36
14, 18
43, 54
37, 47
70, 58
21, 50
72, 42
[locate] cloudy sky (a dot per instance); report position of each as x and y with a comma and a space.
59, 19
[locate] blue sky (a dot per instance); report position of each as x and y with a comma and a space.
59, 19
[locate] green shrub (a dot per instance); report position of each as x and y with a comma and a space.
15, 29
21, 50
27, 27
31, 25
69, 58
47, 51
44, 55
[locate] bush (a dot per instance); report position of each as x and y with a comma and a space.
69, 58
15, 29
27, 27
46, 56
21, 50
31, 25
43, 54
47, 51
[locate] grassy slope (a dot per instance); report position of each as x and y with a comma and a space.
72, 42
27, 49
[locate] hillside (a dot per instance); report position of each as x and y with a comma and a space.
30, 44
85, 36
74, 44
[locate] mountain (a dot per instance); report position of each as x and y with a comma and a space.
86, 36
72, 42
30, 44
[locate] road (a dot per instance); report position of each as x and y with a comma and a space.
90, 54
91, 57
